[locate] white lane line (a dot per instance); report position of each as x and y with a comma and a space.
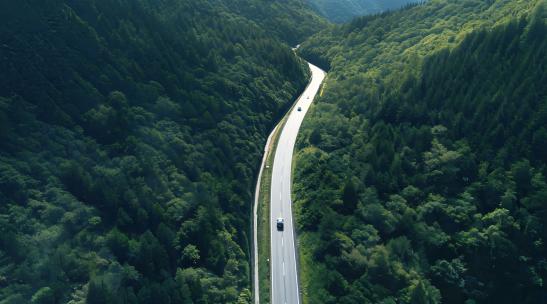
294, 256
281, 241
285, 166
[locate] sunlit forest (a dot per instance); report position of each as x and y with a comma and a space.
421, 172
131, 133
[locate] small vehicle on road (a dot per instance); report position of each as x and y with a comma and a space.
280, 223
299, 109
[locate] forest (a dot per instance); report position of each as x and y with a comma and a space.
131, 133
340, 11
421, 172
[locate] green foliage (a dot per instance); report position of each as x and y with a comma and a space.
291, 21
434, 130
388, 46
44, 295
97, 293
131, 131
343, 10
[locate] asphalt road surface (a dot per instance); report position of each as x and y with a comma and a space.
283, 258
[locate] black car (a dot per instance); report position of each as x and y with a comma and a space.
280, 224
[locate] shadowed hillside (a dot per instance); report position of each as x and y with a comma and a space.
131, 132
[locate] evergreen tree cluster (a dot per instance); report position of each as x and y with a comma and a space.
421, 175
130, 134
340, 11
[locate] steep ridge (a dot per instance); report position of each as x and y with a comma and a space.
421, 171
131, 131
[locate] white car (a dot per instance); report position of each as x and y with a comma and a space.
280, 223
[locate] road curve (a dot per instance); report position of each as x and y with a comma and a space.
284, 276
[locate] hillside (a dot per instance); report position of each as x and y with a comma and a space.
292, 21
340, 11
421, 172
131, 132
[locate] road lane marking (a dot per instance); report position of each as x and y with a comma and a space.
294, 255
285, 158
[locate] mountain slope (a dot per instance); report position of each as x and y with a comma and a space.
131, 131
291, 21
421, 172
339, 11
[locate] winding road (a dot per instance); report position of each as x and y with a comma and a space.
284, 274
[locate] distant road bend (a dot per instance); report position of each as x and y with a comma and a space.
284, 275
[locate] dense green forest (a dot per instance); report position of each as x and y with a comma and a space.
421, 172
344, 10
130, 135
292, 21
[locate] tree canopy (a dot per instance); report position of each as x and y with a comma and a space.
421, 171
340, 11
130, 134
